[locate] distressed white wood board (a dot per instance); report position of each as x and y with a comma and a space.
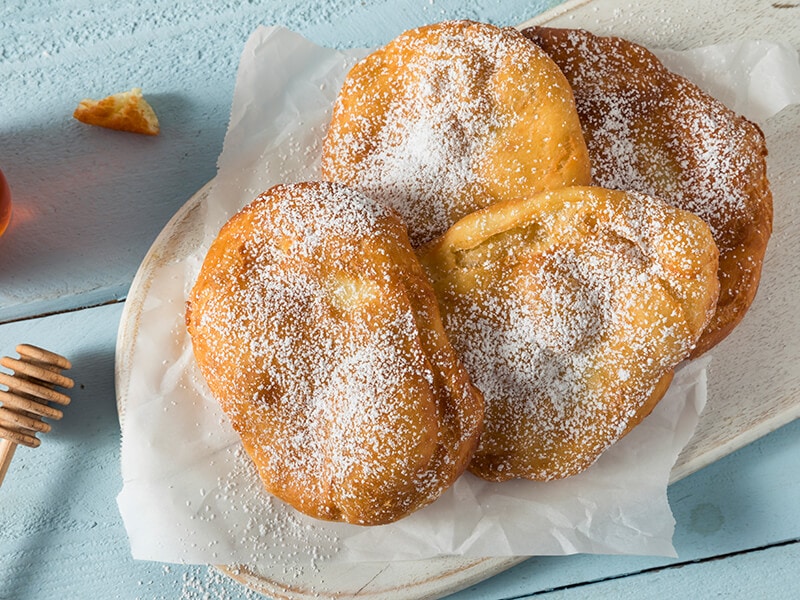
754, 379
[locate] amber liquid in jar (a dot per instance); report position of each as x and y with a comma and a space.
5, 203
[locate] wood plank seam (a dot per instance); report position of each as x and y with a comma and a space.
64, 311
676, 565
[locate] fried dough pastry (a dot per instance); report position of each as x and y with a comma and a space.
318, 331
570, 310
451, 117
126, 111
650, 130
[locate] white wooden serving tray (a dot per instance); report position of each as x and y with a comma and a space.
754, 378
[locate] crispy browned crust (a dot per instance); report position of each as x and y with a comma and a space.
318, 331
450, 117
570, 310
650, 130
126, 111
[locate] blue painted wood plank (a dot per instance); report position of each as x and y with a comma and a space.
60, 529
61, 535
89, 202
769, 573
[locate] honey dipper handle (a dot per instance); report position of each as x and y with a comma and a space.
6, 454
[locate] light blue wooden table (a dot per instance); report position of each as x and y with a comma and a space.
88, 204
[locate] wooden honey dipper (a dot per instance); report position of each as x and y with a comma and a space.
30, 389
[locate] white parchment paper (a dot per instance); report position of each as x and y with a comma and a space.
190, 493
755, 78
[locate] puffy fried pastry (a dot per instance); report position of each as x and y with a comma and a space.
126, 111
650, 130
318, 331
570, 310
451, 117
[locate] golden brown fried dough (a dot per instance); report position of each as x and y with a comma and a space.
570, 310
318, 331
126, 111
448, 118
650, 130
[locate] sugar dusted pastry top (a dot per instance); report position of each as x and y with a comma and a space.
570, 310
650, 130
448, 118
317, 330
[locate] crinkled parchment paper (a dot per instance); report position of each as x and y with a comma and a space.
191, 495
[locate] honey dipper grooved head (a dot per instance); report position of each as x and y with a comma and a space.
30, 390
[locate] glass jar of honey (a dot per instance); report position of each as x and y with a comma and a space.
5, 203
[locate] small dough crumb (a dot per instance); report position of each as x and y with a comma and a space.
126, 111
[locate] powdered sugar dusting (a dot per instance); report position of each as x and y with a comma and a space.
423, 158
271, 534
426, 151
307, 331
568, 335
655, 132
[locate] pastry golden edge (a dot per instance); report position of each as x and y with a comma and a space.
525, 90
125, 111
694, 285
453, 405
741, 259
